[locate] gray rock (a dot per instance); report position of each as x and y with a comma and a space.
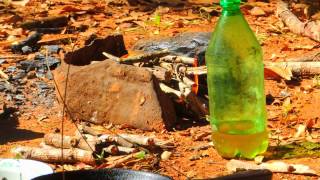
187, 44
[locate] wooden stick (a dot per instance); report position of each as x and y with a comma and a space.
164, 144
127, 150
310, 29
201, 70
167, 66
138, 139
43, 145
168, 89
55, 140
144, 57
89, 130
112, 149
299, 68
31, 41
48, 22
53, 155
177, 59
90, 144
184, 89
118, 162
306, 58
187, 81
111, 57
117, 139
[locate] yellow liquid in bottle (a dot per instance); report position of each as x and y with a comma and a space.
239, 145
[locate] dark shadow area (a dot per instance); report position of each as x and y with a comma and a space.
93, 49
9, 131
294, 82
186, 123
293, 150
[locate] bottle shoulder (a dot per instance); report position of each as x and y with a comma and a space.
233, 32
235, 27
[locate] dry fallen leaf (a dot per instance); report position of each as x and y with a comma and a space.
275, 72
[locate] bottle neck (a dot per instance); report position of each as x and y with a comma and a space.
231, 10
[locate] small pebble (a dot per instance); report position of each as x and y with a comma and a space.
53, 48
26, 49
166, 155
284, 93
19, 97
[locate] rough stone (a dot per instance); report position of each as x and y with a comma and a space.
108, 92
189, 44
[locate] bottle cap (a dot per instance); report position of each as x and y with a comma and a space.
229, 3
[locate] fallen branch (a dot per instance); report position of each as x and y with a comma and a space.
200, 70
144, 57
127, 150
236, 165
168, 90
55, 141
111, 57
29, 41
50, 22
120, 161
198, 106
310, 29
178, 59
306, 58
43, 145
112, 149
89, 130
53, 155
299, 68
167, 66
89, 144
117, 139
164, 144
138, 139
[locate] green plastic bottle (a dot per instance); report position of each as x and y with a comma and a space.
236, 86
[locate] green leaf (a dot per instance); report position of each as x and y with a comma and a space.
157, 19
141, 155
